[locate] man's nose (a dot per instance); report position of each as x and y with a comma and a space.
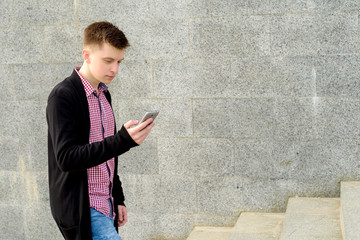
115, 68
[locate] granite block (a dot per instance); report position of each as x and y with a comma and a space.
134, 80
300, 6
23, 187
174, 226
230, 37
338, 159
240, 118
272, 159
24, 49
38, 186
174, 78
140, 226
40, 224
23, 118
220, 196
174, 9
338, 118
40, 13
62, 44
163, 46
273, 77
140, 160
41, 84
12, 225
294, 35
195, 157
12, 188
216, 8
317, 5
107, 10
296, 6
233, 195
193, 78
213, 117
32, 120
140, 193
155, 226
191, 9
338, 76
338, 33
149, 38
7, 126
175, 194
5, 187
252, 118
350, 5
138, 34
311, 34
6, 13
159, 194
295, 118
7, 79
9, 153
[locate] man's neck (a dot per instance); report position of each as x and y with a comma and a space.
84, 71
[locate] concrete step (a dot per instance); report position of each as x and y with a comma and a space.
312, 219
350, 210
258, 226
305, 219
210, 233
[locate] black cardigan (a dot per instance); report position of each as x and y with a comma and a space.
70, 155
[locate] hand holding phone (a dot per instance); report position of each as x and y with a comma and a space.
139, 133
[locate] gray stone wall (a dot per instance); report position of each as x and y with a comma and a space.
259, 101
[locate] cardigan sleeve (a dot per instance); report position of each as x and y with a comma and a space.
71, 152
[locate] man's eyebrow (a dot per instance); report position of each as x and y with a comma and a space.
110, 58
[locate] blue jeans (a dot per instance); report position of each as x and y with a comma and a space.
102, 227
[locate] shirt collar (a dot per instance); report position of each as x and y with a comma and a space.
87, 86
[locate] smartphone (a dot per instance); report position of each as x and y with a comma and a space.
150, 114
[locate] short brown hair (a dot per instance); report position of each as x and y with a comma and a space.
99, 32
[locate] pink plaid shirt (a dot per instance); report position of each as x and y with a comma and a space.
102, 125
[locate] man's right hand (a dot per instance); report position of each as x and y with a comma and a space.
141, 131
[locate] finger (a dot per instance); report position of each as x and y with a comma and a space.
145, 124
139, 137
130, 123
144, 130
120, 214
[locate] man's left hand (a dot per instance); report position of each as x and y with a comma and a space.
122, 215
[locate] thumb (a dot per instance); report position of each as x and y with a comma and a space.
130, 123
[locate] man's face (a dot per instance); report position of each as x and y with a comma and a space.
104, 62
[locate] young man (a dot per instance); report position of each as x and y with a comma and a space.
86, 196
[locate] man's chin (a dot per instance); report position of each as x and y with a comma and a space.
107, 81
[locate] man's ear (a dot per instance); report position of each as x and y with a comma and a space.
86, 55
